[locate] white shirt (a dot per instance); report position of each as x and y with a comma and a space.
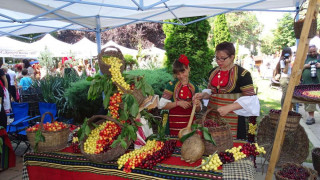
12, 75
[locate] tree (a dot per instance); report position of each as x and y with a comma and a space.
284, 33
267, 46
245, 28
221, 31
190, 40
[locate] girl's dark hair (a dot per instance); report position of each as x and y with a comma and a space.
24, 71
177, 67
26, 63
226, 47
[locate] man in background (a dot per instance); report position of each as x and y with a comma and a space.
311, 75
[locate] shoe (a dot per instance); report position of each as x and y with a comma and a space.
310, 121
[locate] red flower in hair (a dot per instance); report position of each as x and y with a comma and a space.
184, 60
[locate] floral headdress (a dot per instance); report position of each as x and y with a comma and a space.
184, 60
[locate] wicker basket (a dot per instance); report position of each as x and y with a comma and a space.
312, 175
295, 146
291, 123
137, 93
111, 51
316, 158
298, 28
111, 154
298, 92
221, 134
54, 140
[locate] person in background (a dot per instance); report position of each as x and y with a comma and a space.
25, 81
311, 65
230, 91
18, 69
26, 65
12, 85
177, 97
284, 67
3, 85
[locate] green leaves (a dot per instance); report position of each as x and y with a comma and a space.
207, 136
38, 138
131, 107
84, 130
128, 132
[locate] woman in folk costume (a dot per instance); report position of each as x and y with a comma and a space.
177, 97
230, 91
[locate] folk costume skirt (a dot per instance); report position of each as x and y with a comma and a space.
178, 119
237, 123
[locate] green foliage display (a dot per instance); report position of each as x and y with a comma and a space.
221, 31
284, 33
190, 40
77, 100
52, 89
130, 61
157, 78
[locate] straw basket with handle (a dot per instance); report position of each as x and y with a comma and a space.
110, 51
221, 134
291, 123
109, 155
54, 140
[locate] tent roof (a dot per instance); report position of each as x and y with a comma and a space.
34, 16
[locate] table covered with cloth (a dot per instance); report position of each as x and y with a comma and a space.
67, 165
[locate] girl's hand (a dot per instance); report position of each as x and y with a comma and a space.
184, 104
197, 96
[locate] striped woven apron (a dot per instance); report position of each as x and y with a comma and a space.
219, 100
178, 119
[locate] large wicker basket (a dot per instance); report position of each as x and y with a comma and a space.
54, 140
221, 134
111, 154
298, 28
295, 148
291, 123
316, 158
137, 93
312, 174
110, 51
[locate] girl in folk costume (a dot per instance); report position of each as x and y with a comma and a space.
230, 91
177, 97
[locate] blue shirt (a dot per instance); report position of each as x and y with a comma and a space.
25, 82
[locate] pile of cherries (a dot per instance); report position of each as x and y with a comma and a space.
294, 172
151, 160
291, 113
252, 120
210, 123
226, 157
75, 145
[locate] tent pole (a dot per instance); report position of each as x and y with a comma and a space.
98, 34
3, 60
295, 75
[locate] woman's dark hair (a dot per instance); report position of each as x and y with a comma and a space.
24, 71
177, 67
26, 63
227, 47
286, 50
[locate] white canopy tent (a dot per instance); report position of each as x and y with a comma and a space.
13, 48
34, 16
56, 47
123, 49
84, 48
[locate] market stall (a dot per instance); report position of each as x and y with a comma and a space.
67, 165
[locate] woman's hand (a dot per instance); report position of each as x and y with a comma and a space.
224, 110
184, 104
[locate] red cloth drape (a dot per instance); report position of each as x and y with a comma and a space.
7, 142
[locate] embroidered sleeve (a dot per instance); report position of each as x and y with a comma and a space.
168, 91
246, 84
